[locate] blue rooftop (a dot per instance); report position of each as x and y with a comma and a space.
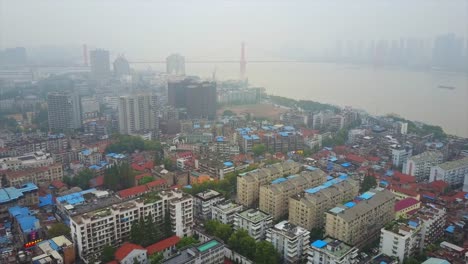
311, 168
283, 134
86, 152
337, 210
115, 155
328, 148
329, 178
11, 193
255, 137
74, 198
346, 165
450, 229
319, 243
45, 200
366, 195
412, 223
389, 173
332, 159
350, 204
228, 164
220, 139
247, 137
384, 183
288, 128
327, 184
188, 186
26, 220
279, 180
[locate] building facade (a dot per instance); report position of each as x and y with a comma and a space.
204, 201
225, 212
138, 113
255, 222
420, 165
291, 242
331, 251
100, 64
64, 111
455, 173
175, 64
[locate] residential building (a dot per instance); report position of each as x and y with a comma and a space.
26, 225
121, 67
254, 221
167, 247
29, 160
248, 184
204, 201
307, 209
357, 223
400, 156
196, 96
107, 221
26, 195
210, 252
420, 165
291, 242
455, 173
138, 113
130, 253
100, 64
64, 111
214, 167
274, 198
405, 207
434, 218
225, 211
175, 64
331, 251
56, 250
400, 240
41, 176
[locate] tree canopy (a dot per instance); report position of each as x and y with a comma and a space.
107, 253
259, 150
368, 183
118, 177
128, 144
58, 229
81, 179
146, 231
187, 241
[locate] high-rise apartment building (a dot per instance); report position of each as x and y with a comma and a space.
274, 198
357, 223
455, 173
64, 111
248, 184
226, 211
203, 202
175, 64
307, 209
100, 64
332, 251
420, 165
138, 113
291, 242
121, 66
254, 221
197, 96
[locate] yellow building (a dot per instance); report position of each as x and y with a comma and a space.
248, 184
274, 198
41, 176
307, 209
358, 223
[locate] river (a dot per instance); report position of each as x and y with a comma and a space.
414, 95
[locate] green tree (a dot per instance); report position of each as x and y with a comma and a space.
119, 177
265, 253
58, 229
368, 183
223, 231
411, 260
82, 179
241, 242
187, 241
167, 227
146, 179
316, 233
228, 113
168, 164
137, 231
259, 150
156, 258
107, 253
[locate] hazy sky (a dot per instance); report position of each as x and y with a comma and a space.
214, 28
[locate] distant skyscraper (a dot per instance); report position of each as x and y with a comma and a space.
448, 51
175, 64
100, 64
138, 113
64, 111
198, 97
121, 66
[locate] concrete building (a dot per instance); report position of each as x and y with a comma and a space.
121, 67
248, 184
225, 212
175, 64
356, 224
210, 252
455, 173
400, 156
291, 242
100, 64
400, 240
331, 251
138, 113
129, 252
307, 209
56, 250
64, 111
29, 160
420, 165
196, 96
41, 176
26, 195
254, 221
204, 201
108, 221
274, 198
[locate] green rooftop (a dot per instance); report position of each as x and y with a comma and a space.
208, 245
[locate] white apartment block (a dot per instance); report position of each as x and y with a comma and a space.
420, 165
332, 251
204, 201
400, 156
91, 230
291, 242
138, 113
226, 211
400, 240
29, 160
453, 172
255, 222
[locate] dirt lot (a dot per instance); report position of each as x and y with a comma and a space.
257, 110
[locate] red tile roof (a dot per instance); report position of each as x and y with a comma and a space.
137, 167
141, 176
149, 165
162, 245
355, 158
404, 178
373, 159
58, 184
112, 262
405, 203
133, 191
125, 249
439, 185
155, 183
